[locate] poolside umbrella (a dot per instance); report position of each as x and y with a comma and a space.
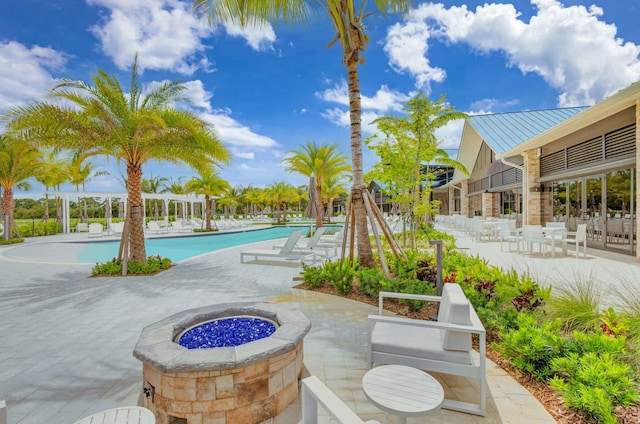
120, 209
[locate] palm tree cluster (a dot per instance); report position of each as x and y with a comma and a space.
102, 119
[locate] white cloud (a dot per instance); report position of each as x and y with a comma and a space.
200, 97
24, 72
233, 133
259, 38
166, 34
569, 47
450, 135
246, 155
486, 106
384, 100
340, 117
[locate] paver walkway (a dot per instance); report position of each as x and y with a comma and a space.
67, 340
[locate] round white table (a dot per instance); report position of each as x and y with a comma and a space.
403, 391
124, 415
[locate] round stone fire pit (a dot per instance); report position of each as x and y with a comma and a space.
243, 383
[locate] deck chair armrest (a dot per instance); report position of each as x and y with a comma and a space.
472, 329
408, 296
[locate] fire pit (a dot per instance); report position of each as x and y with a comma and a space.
241, 363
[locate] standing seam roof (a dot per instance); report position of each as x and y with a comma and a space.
505, 131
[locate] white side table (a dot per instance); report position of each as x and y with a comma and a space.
402, 390
125, 415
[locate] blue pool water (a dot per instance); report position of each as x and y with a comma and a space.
179, 248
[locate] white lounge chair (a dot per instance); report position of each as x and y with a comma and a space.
180, 227
154, 227
117, 227
95, 230
128, 415
285, 252
82, 227
314, 393
313, 245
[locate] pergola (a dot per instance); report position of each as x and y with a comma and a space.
190, 200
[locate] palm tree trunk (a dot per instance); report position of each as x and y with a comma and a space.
137, 250
7, 209
207, 212
365, 254
318, 204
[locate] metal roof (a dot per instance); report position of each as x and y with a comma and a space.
504, 131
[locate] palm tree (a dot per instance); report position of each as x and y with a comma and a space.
348, 23
282, 194
320, 162
80, 170
19, 161
103, 119
55, 173
332, 190
210, 184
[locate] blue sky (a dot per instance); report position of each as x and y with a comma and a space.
270, 89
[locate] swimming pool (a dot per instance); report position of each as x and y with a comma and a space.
179, 248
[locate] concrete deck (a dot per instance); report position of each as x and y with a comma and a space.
67, 340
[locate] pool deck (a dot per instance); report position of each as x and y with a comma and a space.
67, 340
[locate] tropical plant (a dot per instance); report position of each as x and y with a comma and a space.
104, 119
19, 161
332, 190
79, 171
175, 187
320, 163
207, 183
347, 17
155, 185
281, 194
55, 173
406, 146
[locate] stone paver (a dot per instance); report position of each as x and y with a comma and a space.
67, 340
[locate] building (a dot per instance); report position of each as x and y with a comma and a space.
572, 164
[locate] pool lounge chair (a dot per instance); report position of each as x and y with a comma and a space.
95, 230
180, 227
285, 252
154, 227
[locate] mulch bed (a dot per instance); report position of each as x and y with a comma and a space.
550, 399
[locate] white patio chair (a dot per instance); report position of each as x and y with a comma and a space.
314, 393
580, 238
506, 234
532, 234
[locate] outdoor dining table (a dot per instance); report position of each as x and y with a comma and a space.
492, 228
551, 233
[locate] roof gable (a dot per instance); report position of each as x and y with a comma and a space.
504, 131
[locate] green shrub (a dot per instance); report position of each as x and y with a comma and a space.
532, 345
372, 281
312, 276
340, 275
595, 383
154, 264
11, 241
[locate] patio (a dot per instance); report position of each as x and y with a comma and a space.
68, 340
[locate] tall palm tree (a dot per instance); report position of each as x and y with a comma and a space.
19, 161
80, 170
104, 119
209, 183
333, 189
320, 162
347, 17
281, 194
55, 173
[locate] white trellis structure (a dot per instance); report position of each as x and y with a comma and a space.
188, 202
